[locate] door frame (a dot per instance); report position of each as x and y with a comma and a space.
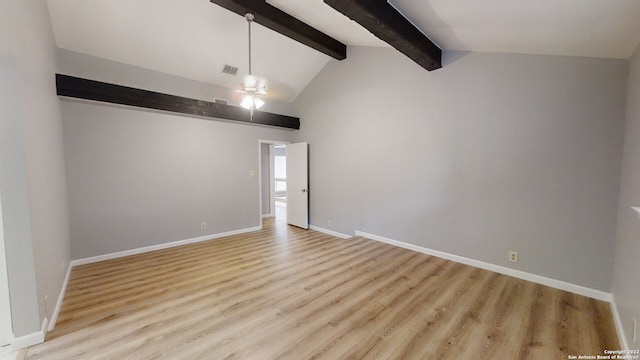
260, 143
272, 183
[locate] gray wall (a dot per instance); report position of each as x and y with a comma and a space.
15, 203
139, 178
626, 288
492, 153
37, 236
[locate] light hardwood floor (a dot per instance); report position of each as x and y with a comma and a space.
286, 293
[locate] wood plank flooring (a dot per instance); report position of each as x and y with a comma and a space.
287, 293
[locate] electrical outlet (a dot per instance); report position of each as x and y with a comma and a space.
203, 226
513, 256
329, 224
635, 331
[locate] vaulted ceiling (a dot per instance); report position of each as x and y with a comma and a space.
194, 38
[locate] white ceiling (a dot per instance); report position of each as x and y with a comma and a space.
195, 38
591, 28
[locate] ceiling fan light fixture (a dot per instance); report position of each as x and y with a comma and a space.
252, 87
251, 102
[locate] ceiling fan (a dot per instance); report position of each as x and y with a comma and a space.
252, 86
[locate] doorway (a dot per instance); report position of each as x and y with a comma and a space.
281, 167
273, 182
279, 181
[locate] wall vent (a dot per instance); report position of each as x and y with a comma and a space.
231, 70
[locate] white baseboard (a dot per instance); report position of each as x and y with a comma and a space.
25, 341
63, 290
619, 327
168, 245
36, 338
115, 255
558, 284
329, 232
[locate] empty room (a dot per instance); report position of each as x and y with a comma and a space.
319, 179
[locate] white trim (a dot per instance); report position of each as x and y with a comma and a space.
272, 184
264, 216
43, 326
168, 245
562, 285
25, 341
329, 232
619, 328
89, 260
56, 310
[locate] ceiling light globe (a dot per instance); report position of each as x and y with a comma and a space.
247, 102
251, 102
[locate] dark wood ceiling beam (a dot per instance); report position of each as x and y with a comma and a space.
388, 24
79, 88
287, 25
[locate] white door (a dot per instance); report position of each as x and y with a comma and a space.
298, 185
6, 332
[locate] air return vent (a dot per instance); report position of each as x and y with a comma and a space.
231, 70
